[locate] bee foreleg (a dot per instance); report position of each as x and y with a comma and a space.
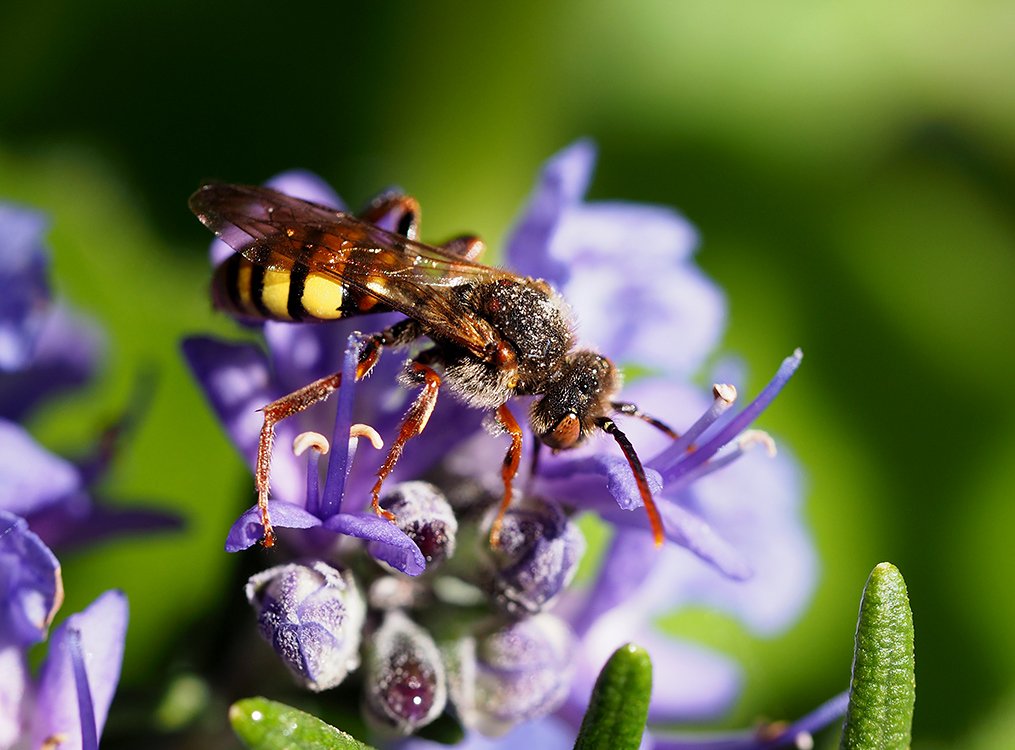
413, 424
509, 468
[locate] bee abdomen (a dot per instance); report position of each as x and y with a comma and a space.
248, 290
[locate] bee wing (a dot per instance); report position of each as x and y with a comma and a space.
276, 231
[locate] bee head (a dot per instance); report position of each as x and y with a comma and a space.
578, 396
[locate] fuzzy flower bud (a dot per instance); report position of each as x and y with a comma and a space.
537, 557
426, 517
405, 686
516, 672
313, 616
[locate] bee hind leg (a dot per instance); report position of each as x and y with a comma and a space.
509, 468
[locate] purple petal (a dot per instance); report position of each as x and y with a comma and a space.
645, 237
31, 589
540, 734
387, 541
589, 481
305, 185
627, 561
103, 627
627, 315
236, 381
788, 735
247, 530
81, 521
561, 185
15, 693
755, 505
67, 352
31, 477
24, 291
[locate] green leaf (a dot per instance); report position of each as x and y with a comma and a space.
615, 719
883, 688
262, 724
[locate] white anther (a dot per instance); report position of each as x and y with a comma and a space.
725, 392
750, 438
314, 440
365, 430
804, 741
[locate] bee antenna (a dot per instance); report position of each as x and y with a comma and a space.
608, 426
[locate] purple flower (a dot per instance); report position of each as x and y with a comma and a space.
45, 349
312, 615
405, 685
70, 698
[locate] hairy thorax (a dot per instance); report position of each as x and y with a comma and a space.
535, 325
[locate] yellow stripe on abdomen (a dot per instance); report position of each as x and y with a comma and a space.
275, 293
322, 297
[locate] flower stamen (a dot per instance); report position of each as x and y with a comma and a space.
307, 440
724, 395
359, 430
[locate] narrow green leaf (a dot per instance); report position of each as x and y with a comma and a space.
615, 719
882, 692
262, 724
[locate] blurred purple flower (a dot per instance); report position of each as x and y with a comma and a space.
45, 349
70, 698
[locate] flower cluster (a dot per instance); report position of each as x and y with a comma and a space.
45, 500
435, 618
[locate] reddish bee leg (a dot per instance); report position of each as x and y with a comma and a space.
413, 424
466, 247
509, 468
404, 209
274, 413
295, 402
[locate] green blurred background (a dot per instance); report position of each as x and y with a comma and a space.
851, 168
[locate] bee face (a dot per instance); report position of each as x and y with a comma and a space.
580, 394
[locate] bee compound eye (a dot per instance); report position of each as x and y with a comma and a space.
565, 433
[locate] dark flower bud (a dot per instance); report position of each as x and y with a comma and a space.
513, 673
313, 617
537, 557
405, 686
424, 514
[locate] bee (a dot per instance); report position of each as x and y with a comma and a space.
492, 334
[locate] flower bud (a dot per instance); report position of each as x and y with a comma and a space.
537, 557
424, 514
313, 617
405, 686
516, 672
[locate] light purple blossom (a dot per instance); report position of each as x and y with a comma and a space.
71, 695
313, 616
44, 350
